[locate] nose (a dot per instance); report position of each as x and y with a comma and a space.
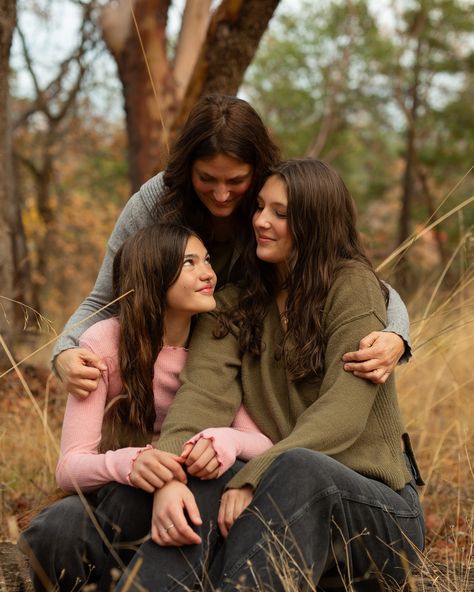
260, 219
221, 193
207, 274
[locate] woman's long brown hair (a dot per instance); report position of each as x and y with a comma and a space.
322, 221
147, 263
217, 124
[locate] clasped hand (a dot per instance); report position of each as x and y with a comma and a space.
154, 468
174, 501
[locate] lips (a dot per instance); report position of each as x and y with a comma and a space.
207, 290
262, 239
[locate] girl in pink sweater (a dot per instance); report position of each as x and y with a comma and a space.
165, 276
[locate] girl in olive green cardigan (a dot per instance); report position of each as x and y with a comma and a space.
336, 491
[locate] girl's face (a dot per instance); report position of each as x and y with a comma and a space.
221, 182
193, 291
274, 240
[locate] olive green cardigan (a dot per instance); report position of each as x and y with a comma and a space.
350, 419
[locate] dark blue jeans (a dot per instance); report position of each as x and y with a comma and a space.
67, 550
312, 520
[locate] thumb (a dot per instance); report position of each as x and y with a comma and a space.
92, 359
192, 509
368, 341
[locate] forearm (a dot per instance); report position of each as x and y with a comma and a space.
89, 471
398, 321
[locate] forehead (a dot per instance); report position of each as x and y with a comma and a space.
195, 246
274, 190
223, 166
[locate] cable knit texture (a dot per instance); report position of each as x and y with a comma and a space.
81, 465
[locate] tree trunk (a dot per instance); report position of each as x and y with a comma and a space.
234, 34
7, 26
155, 104
147, 80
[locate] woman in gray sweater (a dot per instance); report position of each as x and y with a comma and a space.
214, 169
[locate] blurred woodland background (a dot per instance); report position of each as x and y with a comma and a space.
92, 93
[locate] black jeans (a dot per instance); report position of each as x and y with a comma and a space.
312, 520
67, 549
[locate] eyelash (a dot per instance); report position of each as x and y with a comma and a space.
191, 261
277, 214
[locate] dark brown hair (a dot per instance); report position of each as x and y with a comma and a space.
322, 221
147, 264
217, 124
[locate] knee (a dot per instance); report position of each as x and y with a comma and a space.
301, 461
48, 526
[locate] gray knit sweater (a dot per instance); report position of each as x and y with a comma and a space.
137, 213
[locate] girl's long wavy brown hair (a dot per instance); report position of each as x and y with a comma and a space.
147, 263
217, 124
322, 221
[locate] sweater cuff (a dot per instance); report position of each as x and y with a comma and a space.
132, 462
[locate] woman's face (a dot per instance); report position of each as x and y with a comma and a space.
274, 240
193, 291
221, 182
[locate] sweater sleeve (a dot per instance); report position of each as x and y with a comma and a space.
135, 215
335, 420
243, 440
80, 464
398, 321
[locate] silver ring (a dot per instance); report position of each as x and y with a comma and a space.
169, 527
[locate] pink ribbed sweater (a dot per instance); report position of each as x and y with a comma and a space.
81, 465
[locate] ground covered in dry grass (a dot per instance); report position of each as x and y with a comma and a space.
436, 396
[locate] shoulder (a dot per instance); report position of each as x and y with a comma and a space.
227, 297
151, 191
102, 338
355, 291
140, 206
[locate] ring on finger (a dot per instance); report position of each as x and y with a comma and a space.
166, 528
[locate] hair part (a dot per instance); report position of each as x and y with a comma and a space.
322, 221
147, 264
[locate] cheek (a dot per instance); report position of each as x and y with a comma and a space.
242, 188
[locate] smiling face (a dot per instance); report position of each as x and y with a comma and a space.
220, 183
193, 291
270, 224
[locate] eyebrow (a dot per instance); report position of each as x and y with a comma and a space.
237, 177
194, 255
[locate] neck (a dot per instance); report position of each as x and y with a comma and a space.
223, 228
177, 327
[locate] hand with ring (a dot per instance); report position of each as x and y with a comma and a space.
174, 508
167, 528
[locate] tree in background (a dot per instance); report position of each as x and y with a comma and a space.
312, 80
7, 263
62, 143
212, 53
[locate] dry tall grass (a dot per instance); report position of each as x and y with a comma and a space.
436, 396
